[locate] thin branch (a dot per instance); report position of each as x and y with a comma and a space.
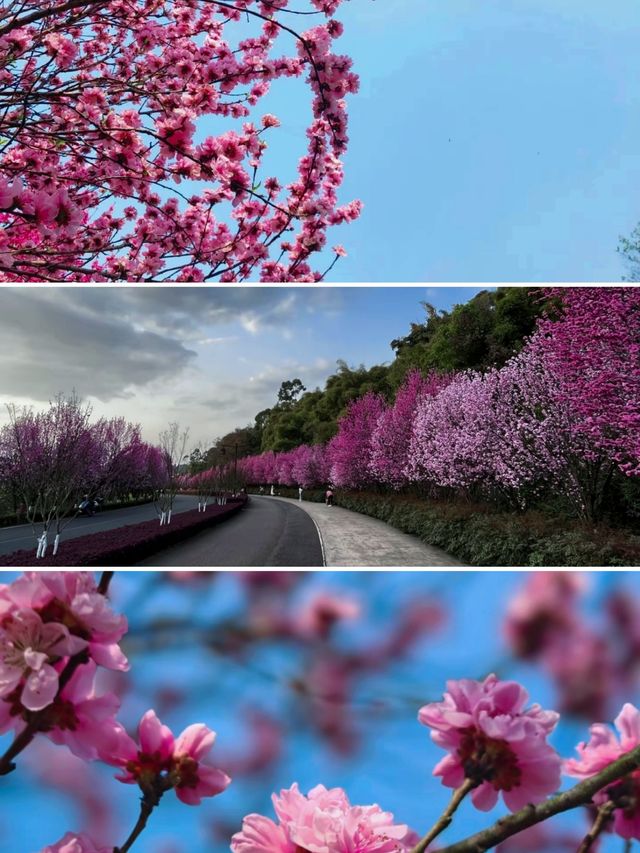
602, 818
105, 580
580, 795
147, 805
446, 817
54, 11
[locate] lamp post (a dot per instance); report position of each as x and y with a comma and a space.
236, 446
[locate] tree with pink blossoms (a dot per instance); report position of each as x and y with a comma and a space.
134, 146
53, 459
310, 466
592, 349
48, 456
119, 457
350, 449
390, 443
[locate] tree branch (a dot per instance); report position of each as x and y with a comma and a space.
602, 818
446, 817
53, 11
580, 795
105, 580
147, 805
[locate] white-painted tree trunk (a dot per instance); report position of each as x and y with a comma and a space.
56, 542
42, 546
169, 517
163, 516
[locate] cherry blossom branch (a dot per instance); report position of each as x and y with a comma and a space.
580, 795
602, 818
16, 23
147, 805
22, 740
447, 815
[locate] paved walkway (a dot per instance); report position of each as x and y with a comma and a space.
352, 539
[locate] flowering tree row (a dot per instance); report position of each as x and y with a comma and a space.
133, 146
562, 415
58, 633
52, 460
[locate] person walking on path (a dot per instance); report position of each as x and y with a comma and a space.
328, 497
299, 493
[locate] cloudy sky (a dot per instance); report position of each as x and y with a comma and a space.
209, 358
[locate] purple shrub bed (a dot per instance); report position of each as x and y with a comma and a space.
127, 545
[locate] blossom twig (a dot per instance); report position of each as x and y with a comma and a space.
602, 818
147, 805
580, 795
446, 817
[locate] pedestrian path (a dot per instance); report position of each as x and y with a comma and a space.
352, 539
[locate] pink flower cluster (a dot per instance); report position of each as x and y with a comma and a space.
324, 821
602, 749
98, 155
495, 741
46, 619
56, 630
161, 762
592, 667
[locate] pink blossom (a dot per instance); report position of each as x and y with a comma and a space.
603, 748
76, 843
10, 192
318, 615
324, 821
81, 719
494, 741
28, 650
541, 610
72, 598
161, 761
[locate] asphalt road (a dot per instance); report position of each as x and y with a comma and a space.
265, 533
21, 536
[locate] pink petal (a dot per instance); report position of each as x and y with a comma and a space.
195, 741
40, 689
154, 737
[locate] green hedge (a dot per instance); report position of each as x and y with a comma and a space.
477, 536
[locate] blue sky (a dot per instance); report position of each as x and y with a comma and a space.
490, 141
209, 358
394, 767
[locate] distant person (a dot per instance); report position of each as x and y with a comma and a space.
328, 497
272, 492
299, 493
262, 490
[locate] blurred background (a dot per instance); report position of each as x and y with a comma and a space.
318, 678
